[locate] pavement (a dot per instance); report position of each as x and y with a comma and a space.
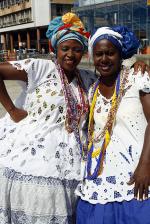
13, 89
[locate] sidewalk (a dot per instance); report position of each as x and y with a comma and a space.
13, 90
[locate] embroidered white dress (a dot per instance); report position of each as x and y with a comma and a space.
124, 149
40, 161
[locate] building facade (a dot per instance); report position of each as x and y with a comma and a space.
23, 23
134, 14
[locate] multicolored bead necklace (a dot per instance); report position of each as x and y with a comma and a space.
75, 109
106, 133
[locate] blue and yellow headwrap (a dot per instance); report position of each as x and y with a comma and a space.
67, 27
120, 36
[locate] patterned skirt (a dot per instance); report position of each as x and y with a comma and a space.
126, 212
26, 199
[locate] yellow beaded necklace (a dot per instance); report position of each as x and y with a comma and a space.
106, 133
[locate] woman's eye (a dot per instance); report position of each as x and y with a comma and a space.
78, 50
111, 53
64, 49
98, 54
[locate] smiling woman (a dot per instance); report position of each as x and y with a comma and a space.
70, 53
117, 168
106, 58
41, 138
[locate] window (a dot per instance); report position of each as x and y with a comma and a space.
59, 9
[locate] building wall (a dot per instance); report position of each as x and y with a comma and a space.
134, 14
36, 12
40, 12
59, 9
91, 2
15, 14
23, 23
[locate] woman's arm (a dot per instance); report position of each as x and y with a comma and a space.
141, 177
8, 72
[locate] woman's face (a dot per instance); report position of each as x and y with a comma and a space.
107, 58
69, 54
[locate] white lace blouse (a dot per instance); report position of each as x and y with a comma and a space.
124, 149
39, 145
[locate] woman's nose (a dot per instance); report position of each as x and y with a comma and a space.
104, 58
70, 53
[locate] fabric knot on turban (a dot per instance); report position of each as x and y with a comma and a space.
67, 27
120, 36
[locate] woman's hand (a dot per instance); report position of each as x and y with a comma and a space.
17, 114
140, 65
141, 180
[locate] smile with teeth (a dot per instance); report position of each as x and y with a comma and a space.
69, 61
105, 67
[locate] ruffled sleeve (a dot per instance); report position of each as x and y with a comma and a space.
37, 70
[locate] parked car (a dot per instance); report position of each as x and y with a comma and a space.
31, 53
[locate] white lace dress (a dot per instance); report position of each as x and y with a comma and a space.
124, 149
40, 161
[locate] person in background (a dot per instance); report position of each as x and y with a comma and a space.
117, 167
43, 50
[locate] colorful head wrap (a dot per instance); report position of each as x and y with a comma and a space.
120, 36
67, 27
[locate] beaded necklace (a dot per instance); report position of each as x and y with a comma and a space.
106, 133
75, 110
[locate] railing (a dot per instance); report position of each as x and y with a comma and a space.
12, 56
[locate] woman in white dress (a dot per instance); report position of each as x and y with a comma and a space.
115, 189
40, 137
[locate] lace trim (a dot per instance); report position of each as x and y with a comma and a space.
20, 217
17, 176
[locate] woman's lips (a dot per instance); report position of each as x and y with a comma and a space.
69, 62
105, 67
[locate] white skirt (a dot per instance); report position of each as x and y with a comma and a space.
27, 199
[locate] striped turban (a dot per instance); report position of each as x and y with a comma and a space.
67, 27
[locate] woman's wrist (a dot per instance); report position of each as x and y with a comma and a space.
11, 109
145, 160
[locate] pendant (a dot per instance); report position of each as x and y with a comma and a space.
69, 130
67, 125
